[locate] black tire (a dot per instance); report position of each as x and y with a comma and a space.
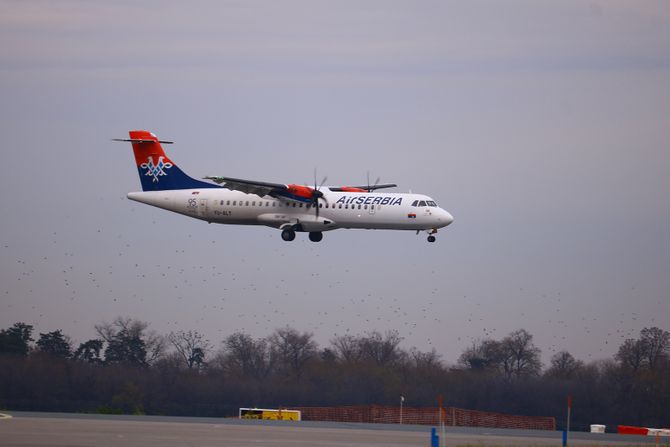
431, 238
315, 236
288, 235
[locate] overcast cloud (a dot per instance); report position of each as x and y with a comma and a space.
541, 126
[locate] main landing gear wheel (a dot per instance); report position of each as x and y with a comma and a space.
431, 238
315, 236
288, 234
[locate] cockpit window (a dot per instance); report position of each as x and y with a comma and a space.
431, 203
415, 203
422, 203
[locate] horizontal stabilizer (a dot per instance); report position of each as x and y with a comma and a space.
141, 140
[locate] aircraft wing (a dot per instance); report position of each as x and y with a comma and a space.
364, 187
250, 186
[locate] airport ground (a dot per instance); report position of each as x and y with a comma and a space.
27, 429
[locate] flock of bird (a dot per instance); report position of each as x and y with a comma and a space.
222, 285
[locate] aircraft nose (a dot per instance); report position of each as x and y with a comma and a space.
446, 218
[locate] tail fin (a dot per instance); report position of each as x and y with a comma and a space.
157, 171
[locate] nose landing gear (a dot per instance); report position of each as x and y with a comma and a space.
315, 236
431, 238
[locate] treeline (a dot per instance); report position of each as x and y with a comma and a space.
131, 369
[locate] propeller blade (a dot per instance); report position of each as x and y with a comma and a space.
317, 194
371, 187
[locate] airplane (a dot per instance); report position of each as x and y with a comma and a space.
290, 208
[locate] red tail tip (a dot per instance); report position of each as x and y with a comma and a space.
142, 135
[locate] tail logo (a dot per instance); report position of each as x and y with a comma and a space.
156, 170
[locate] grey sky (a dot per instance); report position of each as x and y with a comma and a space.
541, 126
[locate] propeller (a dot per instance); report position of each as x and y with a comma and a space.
317, 194
368, 183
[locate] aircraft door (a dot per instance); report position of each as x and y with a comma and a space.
203, 209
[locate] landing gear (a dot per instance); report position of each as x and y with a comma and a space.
431, 238
288, 234
315, 236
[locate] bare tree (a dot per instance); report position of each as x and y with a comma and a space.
425, 360
657, 345
564, 365
631, 354
129, 341
521, 358
293, 349
245, 356
485, 355
191, 346
381, 350
652, 348
347, 348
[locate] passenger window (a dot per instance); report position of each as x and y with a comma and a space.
422, 203
340, 206
294, 204
274, 204
365, 207
320, 205
415, 203
253, 203
267, 204
246, 203
228, 202
234, 202
359, 207
346, 207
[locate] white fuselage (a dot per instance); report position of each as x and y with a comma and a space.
368, 210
